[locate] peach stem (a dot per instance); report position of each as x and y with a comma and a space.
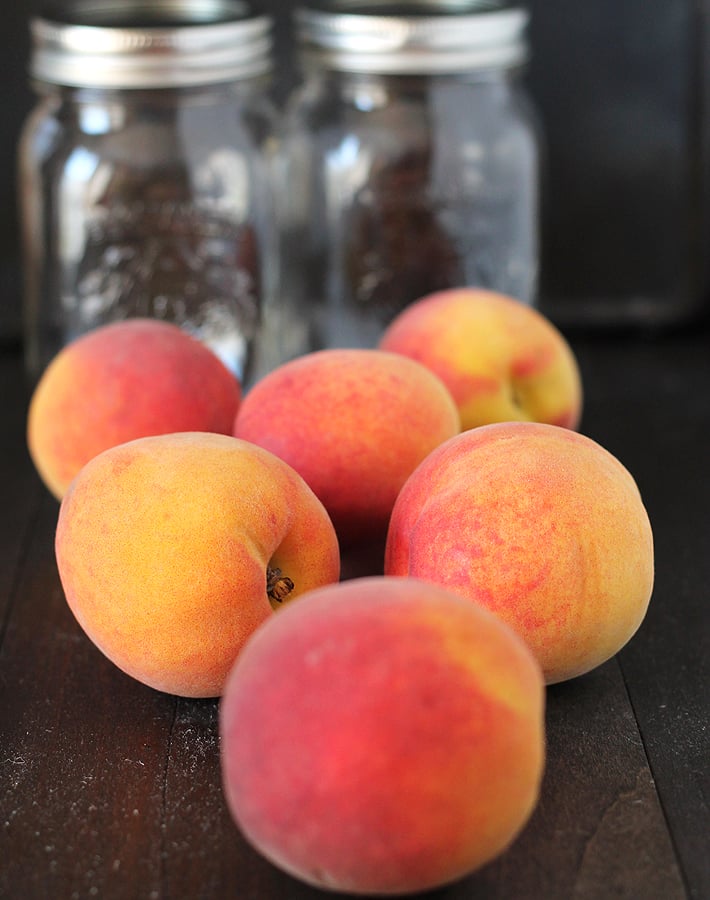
278, 585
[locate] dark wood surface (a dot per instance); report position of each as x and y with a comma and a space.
111, 790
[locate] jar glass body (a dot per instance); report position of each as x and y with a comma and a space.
395, 186
146, 203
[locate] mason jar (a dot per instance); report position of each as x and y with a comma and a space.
408, 164
144, 172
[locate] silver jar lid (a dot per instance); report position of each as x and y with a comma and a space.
413, 37
149, 43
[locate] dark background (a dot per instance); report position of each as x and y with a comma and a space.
622, 91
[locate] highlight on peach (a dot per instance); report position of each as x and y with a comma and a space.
354, 423
129, 379
172, 549
539, 524
501, 359
382, 736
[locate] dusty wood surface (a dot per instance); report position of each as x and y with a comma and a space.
109, 789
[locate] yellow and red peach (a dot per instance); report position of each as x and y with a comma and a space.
539, 524
354, 423
501, 359
382, 736
122, 381
173, 549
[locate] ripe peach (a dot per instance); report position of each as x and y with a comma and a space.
354, 423
122, 381
539, 524
402, 747
501, 360
172, 549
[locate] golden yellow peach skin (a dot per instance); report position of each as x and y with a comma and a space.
501, 359
172, 549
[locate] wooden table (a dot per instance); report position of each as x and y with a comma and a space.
109, 789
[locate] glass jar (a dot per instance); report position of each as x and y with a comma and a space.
144, 173
408, 164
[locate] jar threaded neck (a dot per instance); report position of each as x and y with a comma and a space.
149, 44
418, 37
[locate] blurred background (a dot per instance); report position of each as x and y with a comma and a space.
623, 92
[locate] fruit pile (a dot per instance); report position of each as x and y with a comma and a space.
200, 545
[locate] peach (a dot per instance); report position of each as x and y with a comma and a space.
354, 423
122, 381
539, 524
172, 549
401, 747
500, 359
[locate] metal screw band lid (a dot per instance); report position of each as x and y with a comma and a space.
149, 43
423, 37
